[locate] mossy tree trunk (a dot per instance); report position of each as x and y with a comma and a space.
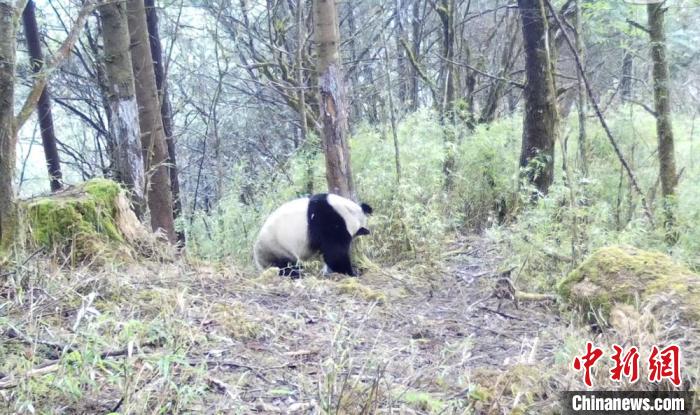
446, 11
664, 131
8, 133
124, 123
540, 124
333, 101
155, 149
581, 92
48, 135
165, 109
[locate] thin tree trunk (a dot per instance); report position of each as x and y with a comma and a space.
581, 93
447, 113
301, 39
498, 87
124, 124
392, 114
355, 101
48, 136
400, 52
155, 150
626, 80
166, 111
540, 124
416, 35
332, 101
8, 134
662, 101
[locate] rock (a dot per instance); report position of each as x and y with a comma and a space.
626, 275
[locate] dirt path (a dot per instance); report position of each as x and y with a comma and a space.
436, 346
195, 338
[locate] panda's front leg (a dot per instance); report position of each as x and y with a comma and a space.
337, 259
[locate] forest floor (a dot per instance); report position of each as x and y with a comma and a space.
199, 338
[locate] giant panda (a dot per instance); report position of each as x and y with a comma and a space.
323, 223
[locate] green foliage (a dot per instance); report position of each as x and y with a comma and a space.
412, 218
415, 217
556, 233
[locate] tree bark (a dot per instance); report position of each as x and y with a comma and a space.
446, 11
416, 39
581, 92
124, 123
540, 123
8, 134
626, 80
332, 101
48, 136
662, 105
155, 149
165, 110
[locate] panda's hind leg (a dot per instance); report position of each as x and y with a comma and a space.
288, 268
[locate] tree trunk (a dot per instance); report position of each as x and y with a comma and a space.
165, 109
581, 93
401, 66
540, 122
155, 149
667, 162
626, 80
332, 101
301, 81
8, 137
416, 38
48, 136
498, 87
124, 124
447, 113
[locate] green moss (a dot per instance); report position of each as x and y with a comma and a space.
235, 321
352, 287
423, 401
624, 274
80, 220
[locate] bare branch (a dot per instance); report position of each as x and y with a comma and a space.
604, 123
53, 63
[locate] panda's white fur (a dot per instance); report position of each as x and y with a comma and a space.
285, 233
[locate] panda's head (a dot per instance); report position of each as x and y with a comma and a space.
354, 215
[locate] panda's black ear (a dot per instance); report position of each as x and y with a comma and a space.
366, 208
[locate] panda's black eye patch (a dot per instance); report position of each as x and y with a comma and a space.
367, 209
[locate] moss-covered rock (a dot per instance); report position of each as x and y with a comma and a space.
82, 222
627, 275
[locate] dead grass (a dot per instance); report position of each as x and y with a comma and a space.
191, 337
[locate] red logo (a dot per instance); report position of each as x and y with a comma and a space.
587, 361
627, 366
665, 364
662, 364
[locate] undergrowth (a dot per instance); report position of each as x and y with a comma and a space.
415, 218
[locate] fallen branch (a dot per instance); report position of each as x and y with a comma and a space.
500, 313
53, 365
525, 296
